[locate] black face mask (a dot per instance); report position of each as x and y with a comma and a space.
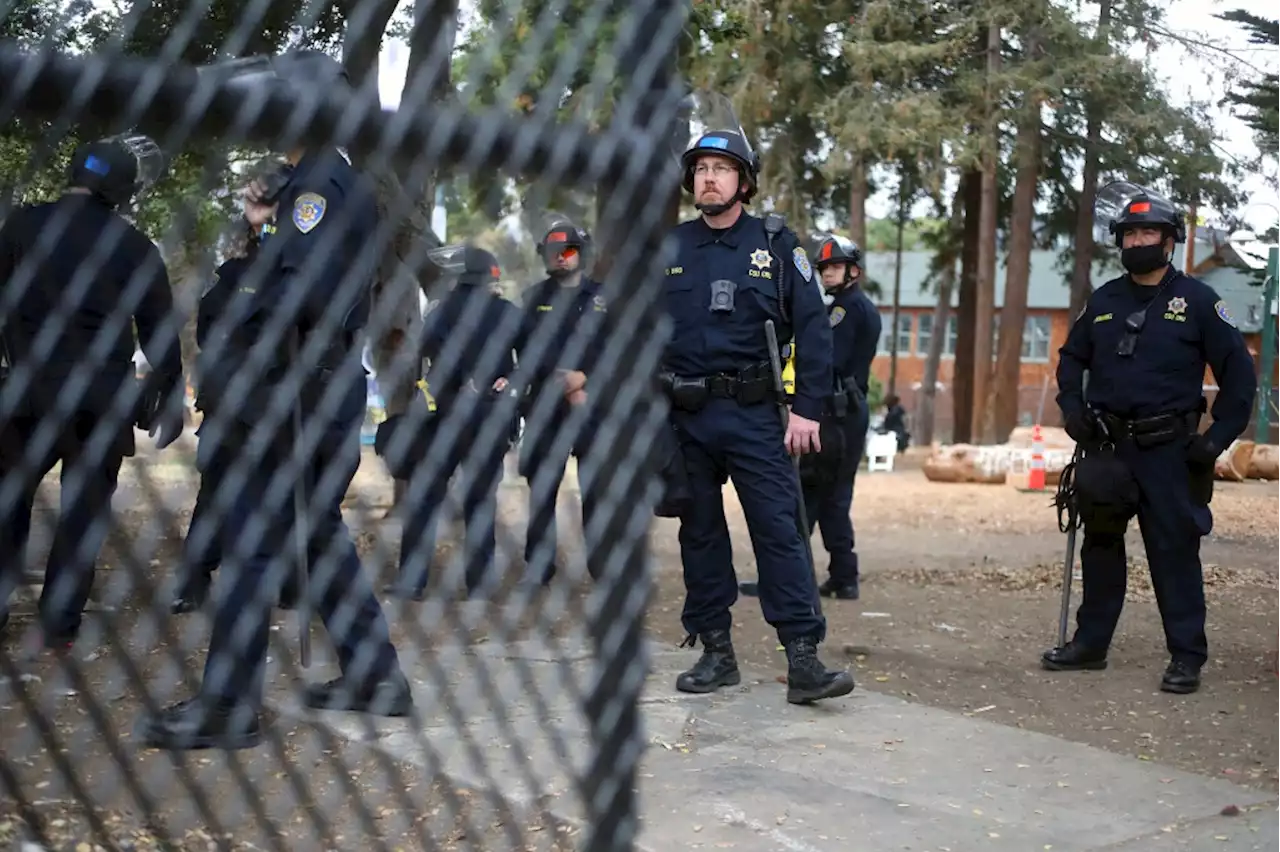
1139, 260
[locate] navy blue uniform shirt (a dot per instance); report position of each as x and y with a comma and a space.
320, 248
1187, 326
562, 328
705, 343
469, 338
214, 301
77, 261
855, 330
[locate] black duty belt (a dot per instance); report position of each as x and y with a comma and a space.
749, 386
1152, 430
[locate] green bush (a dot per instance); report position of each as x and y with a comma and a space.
875, 395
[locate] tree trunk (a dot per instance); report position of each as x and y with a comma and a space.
897, 285
858, 203
926, 418
1013, 312
985, 301
1082, 271
962, 381
1189, 248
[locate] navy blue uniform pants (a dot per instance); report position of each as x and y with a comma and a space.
1172, 523
258, 556
829, 506
202, 548
91, 458
551, 435
477, 449
725, 441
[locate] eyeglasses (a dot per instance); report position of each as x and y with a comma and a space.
716, 169
1132, 328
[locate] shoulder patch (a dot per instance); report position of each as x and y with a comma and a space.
1223, 314
801, 261
308, 210
837, 314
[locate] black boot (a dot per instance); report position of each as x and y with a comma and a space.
839, 591
390, 696
749, 590
1181, 677
192, 594
716, 667
200, 723
1073, 657
808, 680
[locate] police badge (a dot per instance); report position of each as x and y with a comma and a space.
801, 261
308, 210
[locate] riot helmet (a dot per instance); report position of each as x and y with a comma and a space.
713, 130
474, 266
832, 249
1125, 206
116, 168
559, 243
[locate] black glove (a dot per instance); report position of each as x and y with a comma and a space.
1202, 451
162, 414
1082, 426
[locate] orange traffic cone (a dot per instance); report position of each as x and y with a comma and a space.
1035, 477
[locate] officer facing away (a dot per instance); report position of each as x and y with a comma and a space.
75, 278
312, 280
729, 275
1145, 339
560, 338
855, 332
469, 340
201, 551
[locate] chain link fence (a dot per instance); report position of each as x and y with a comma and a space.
287, 496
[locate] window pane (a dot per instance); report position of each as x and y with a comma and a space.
953, 333
886, 328
904, 334
924, 334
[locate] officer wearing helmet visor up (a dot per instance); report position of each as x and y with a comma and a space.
1145, 339
731, 273
75, 269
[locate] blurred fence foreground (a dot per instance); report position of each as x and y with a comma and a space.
289, 406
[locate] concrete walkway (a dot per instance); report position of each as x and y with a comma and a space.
744, 770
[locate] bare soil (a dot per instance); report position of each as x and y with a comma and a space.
961, 589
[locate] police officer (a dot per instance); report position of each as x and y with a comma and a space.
201, 549
732, 272
1145, 339
561, 337
855, 331
469, 340
75, 269
827, 477
310, 283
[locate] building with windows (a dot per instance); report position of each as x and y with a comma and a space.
1043, 333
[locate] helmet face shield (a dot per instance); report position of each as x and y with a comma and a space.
1122, 205
700, 114
150, 159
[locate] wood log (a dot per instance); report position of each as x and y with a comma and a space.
1232, 464
1264, 463
989, 465
1055, 438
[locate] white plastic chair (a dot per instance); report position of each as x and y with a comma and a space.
881, 449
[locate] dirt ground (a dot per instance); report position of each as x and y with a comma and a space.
961, 590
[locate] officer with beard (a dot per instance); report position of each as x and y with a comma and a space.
75, 279
469, 340
561, 337
300, 307
730, 273
1145, 339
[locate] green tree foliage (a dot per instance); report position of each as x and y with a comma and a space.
1259, 98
